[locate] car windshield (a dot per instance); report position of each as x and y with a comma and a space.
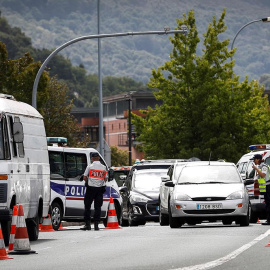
209, 174
148, 179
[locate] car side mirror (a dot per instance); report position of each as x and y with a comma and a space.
123, 189
110, 175
169, 184
248, 182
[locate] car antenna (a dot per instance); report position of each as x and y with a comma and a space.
210, 157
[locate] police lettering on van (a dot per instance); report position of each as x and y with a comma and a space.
68, 188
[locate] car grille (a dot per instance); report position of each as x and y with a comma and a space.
152, 209
206, 212
3, 193
210, 199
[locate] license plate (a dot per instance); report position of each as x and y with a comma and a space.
209, 206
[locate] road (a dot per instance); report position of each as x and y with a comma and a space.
200, 247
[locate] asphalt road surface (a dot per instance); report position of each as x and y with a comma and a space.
200, 247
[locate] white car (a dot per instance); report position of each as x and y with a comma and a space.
206, 191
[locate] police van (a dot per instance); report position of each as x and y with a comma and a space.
244, 165
24, 165
67, 166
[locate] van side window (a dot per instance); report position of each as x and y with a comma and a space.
14, 148
56, 163
4, 141
75, 165
20, 145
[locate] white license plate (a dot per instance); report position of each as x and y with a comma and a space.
209, 206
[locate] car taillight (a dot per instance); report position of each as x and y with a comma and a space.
256, 188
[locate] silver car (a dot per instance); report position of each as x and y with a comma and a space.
208, 191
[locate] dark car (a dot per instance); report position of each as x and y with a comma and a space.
140, 198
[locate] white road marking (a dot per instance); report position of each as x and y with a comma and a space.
227, 258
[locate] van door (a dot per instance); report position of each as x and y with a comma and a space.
76, 164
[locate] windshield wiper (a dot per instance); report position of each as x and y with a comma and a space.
187, 183
212, 182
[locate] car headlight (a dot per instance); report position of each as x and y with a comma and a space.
182, 197
138, 198
235, 196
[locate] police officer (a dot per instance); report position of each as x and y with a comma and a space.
262, 175
95, 177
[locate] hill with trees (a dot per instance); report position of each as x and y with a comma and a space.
50, 23
82, 87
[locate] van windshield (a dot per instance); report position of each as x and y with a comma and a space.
1, 141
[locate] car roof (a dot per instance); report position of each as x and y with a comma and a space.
209, 163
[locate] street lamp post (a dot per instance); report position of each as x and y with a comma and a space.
99, 36
129, 131
267, 19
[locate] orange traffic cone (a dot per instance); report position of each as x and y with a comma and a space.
268, 245
112, 222
46, 226
21, 243
3, 252
13, 228
258, 221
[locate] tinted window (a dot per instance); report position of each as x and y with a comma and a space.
75, 165
56, 160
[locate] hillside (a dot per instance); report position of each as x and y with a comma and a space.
50, 23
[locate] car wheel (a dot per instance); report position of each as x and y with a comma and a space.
163, 219
244, 221
253, 218
33, 228
56, 216
173, 221
131, 222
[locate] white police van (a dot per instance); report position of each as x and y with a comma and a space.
24, 165
67, 166
244, 165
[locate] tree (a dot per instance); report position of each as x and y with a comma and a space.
57, 117
206, 110
17, 77
119, 157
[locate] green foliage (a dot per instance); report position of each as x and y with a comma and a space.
119, 157
205, 108
57, 117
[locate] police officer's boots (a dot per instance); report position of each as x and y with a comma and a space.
87, 226
96, 226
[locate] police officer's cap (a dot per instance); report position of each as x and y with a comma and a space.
95, 154
257, 156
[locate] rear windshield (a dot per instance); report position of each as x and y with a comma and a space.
206, 174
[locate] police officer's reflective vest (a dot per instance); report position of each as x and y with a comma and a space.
262, 184
262, 187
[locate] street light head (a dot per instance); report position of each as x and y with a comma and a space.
167, 28
267, 19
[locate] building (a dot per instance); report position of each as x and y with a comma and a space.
115, 119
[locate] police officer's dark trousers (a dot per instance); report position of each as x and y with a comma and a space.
93, 194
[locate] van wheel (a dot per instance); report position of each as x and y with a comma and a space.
33, 228
6, 231
56, 216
